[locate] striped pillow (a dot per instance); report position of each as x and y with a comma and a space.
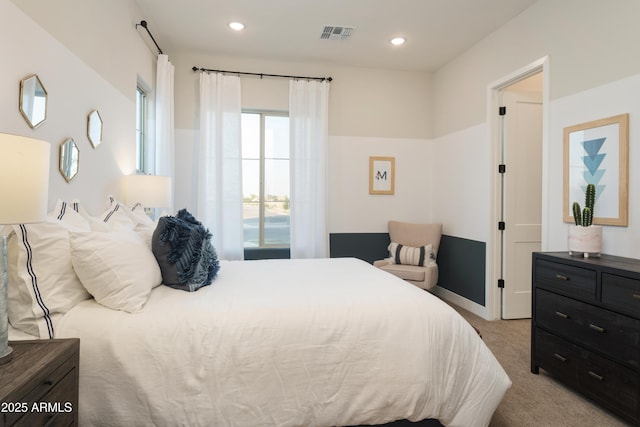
400, 254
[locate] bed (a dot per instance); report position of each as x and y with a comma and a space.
317, 342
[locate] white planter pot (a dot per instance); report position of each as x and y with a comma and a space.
585, 241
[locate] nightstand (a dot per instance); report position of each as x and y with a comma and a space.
39, 386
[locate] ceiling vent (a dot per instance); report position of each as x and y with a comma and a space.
335, 32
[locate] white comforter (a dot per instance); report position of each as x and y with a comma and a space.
324, 342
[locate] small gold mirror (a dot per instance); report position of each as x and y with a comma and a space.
33, 100
94, 128
69, 159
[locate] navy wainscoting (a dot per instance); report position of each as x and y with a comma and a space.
462, 266
461, 262
365, 246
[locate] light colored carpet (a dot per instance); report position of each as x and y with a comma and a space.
533, 400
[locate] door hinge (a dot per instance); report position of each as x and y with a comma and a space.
502, 111
501, 225
501, 283
502, 168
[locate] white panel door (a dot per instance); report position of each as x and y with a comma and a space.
522, 199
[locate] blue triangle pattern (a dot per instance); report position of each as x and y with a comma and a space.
592, 146
593, 162
593, 178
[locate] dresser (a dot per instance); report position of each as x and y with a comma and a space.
585, 327
39, 386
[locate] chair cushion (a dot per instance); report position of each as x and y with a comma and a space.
406, 272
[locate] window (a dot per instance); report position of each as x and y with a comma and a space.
141, 129
265, 179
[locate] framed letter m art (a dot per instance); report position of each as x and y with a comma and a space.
381, 175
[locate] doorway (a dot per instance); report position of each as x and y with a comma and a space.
521, 192
519, 146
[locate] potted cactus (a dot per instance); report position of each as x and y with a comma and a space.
585, 238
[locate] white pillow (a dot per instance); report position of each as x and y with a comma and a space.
120, 217
68, 214
42, 283
117, 268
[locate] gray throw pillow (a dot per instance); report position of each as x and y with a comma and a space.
182, 246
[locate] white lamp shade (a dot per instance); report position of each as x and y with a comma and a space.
24, 179
151, 191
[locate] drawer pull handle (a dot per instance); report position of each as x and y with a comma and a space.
596, 328
636, 296
595, 376
560, 357
561, 277
48, 382
560, 314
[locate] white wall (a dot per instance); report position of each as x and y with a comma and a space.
618, 97
589, 43
590, 74
75, 88
353, 209
461, 193
371, 113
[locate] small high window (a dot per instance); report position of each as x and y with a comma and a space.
141, 129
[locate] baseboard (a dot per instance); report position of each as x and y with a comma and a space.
460, 301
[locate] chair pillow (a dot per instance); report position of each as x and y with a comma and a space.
421, 256
183, 249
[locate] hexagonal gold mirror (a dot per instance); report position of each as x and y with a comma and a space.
33, 100
69, 159
94, 128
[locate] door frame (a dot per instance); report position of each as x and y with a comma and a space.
493, 294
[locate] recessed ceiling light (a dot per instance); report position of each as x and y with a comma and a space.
236, 26
397, 41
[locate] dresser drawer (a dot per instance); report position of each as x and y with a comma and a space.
615, 335
609, 383
569, 280
557, 356
621, 293
602, 380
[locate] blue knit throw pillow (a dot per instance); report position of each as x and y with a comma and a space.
182, 246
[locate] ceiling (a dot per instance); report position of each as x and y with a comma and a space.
289, 30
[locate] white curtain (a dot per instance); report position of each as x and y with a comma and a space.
164, 130
308, 118
220, 163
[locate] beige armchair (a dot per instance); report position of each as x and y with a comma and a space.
413, 236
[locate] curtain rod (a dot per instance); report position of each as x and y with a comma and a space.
143, 24
261, 75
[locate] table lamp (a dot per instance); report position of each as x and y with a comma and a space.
24, 189
150, 191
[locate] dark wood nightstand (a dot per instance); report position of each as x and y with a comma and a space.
39, 386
